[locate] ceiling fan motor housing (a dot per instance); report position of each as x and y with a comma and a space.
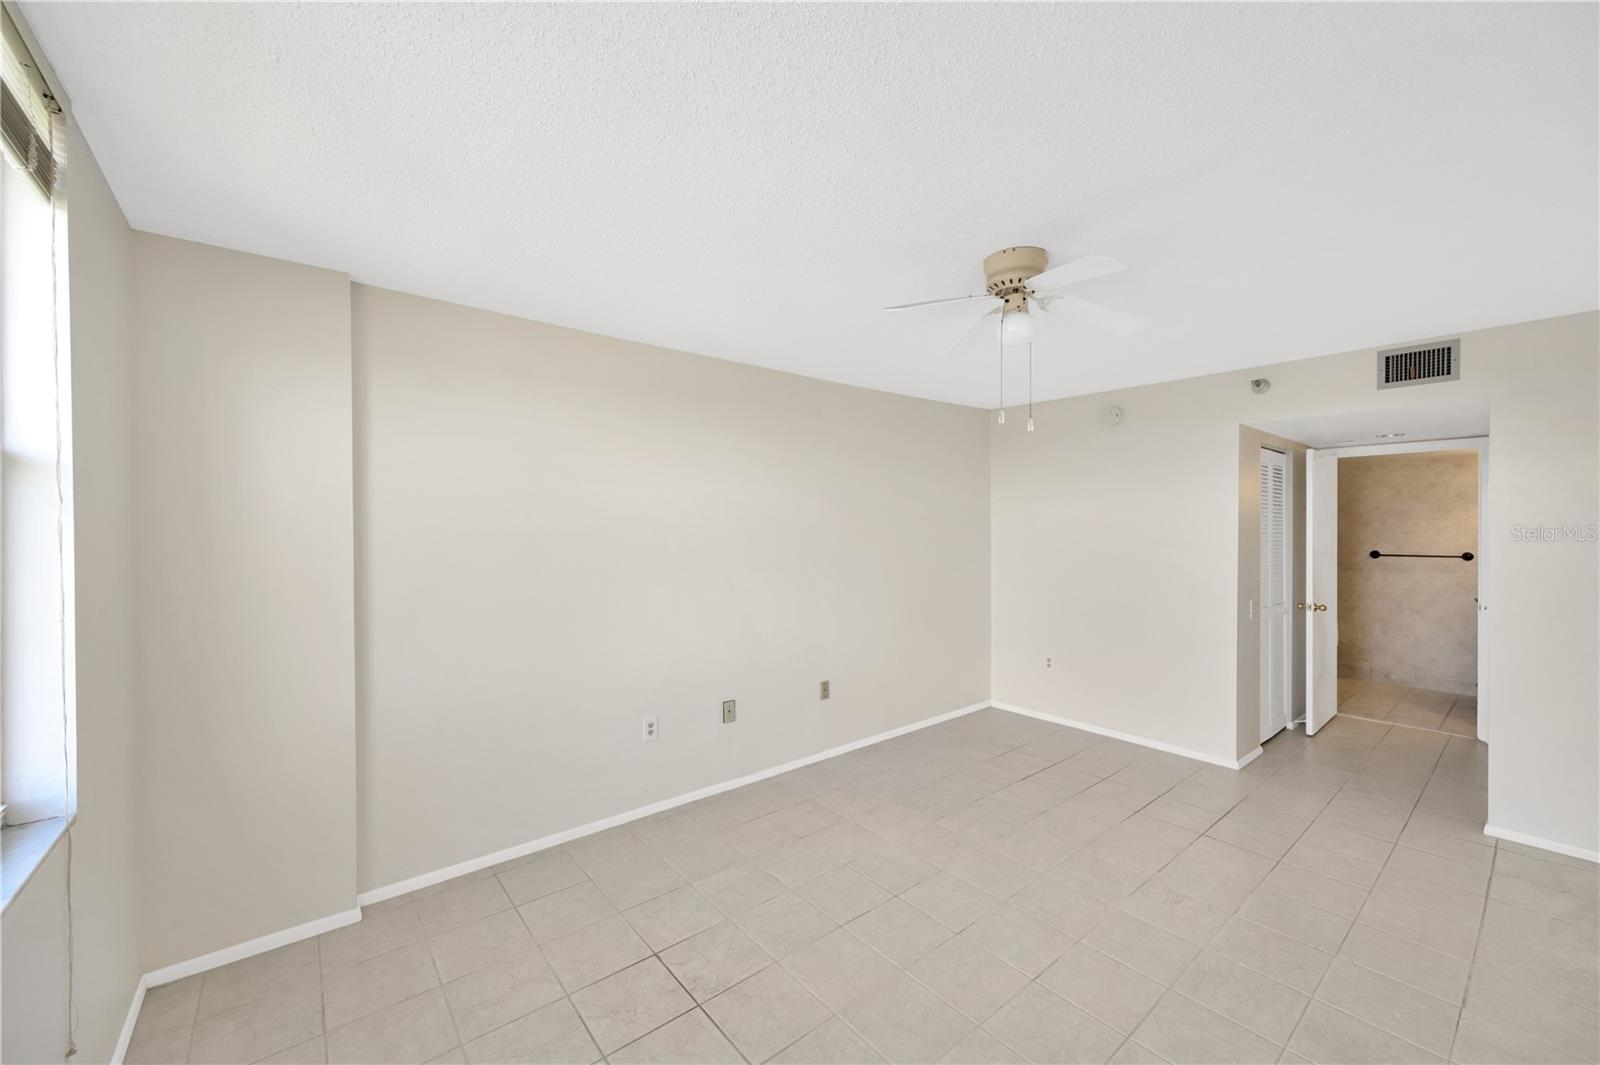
1007, 271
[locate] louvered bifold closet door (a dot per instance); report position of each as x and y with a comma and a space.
1274, 593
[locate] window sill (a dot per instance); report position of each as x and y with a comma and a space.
23, 849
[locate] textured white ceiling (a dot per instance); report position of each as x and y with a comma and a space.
754, 182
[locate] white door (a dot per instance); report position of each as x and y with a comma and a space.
1322, 589
1273, 596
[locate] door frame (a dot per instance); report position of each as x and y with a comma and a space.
1480, 444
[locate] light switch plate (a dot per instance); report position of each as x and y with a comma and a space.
824, 692
729, 711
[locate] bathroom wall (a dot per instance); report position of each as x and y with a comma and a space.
1409, 621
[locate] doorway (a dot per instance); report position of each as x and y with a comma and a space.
1394, 576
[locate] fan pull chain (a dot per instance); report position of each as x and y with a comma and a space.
1002, 418
1030, 386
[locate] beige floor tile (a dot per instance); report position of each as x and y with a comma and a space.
563, 912
1395, 1007
1329, 1036
595, 951
1108, 989
552, 1034
738, 888
1060, 905
627, 1005
906, 1022
1315, 889
1440, 975
1271, 953
1181, 1029
1399, 917
673, 917
168, 1009
1299, 920
899, 931
501, 992
544, 874
411, 1031
1020, 940
1244, 996
366, 987
950, 900
472, 946
710, 962
796, 862
766, 1012
1000, 876
831, 1043
311, 1052
260, 1027
1044, 1027
164, 1048
969, 977
842, 893
981, 1048
381, 929
839, 968
466, 902
638, 883
782, 925
688, 1040
1481, 1040
291, 968
894, 869
1142, 946
1166, 907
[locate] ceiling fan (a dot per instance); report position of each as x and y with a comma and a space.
1020, 290
1025, 290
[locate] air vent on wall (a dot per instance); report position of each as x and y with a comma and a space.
1420, 365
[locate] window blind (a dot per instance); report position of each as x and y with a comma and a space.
27, 112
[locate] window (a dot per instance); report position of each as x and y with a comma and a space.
36, 733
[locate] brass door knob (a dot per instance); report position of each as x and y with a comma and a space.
1322, 606
1299, 606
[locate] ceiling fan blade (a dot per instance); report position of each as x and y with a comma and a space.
968, 331
1083, 269
929, 303
1118, 323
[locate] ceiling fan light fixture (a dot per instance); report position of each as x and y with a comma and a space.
1018, 327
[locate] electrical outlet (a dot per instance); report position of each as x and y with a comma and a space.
824, 694
730, 710
1049, 663
652, 728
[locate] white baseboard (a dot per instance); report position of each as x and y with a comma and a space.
1170, 748
472, 865
1543, 844
250, 948
1246, 760
127, 1026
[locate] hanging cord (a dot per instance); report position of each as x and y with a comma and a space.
1030, 386
61, 589
1002, 418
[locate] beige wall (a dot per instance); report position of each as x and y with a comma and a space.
245, 595
1410, 621
1116, 550
561, 533
107, 833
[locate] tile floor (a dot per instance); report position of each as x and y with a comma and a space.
1419, 707
992, 889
